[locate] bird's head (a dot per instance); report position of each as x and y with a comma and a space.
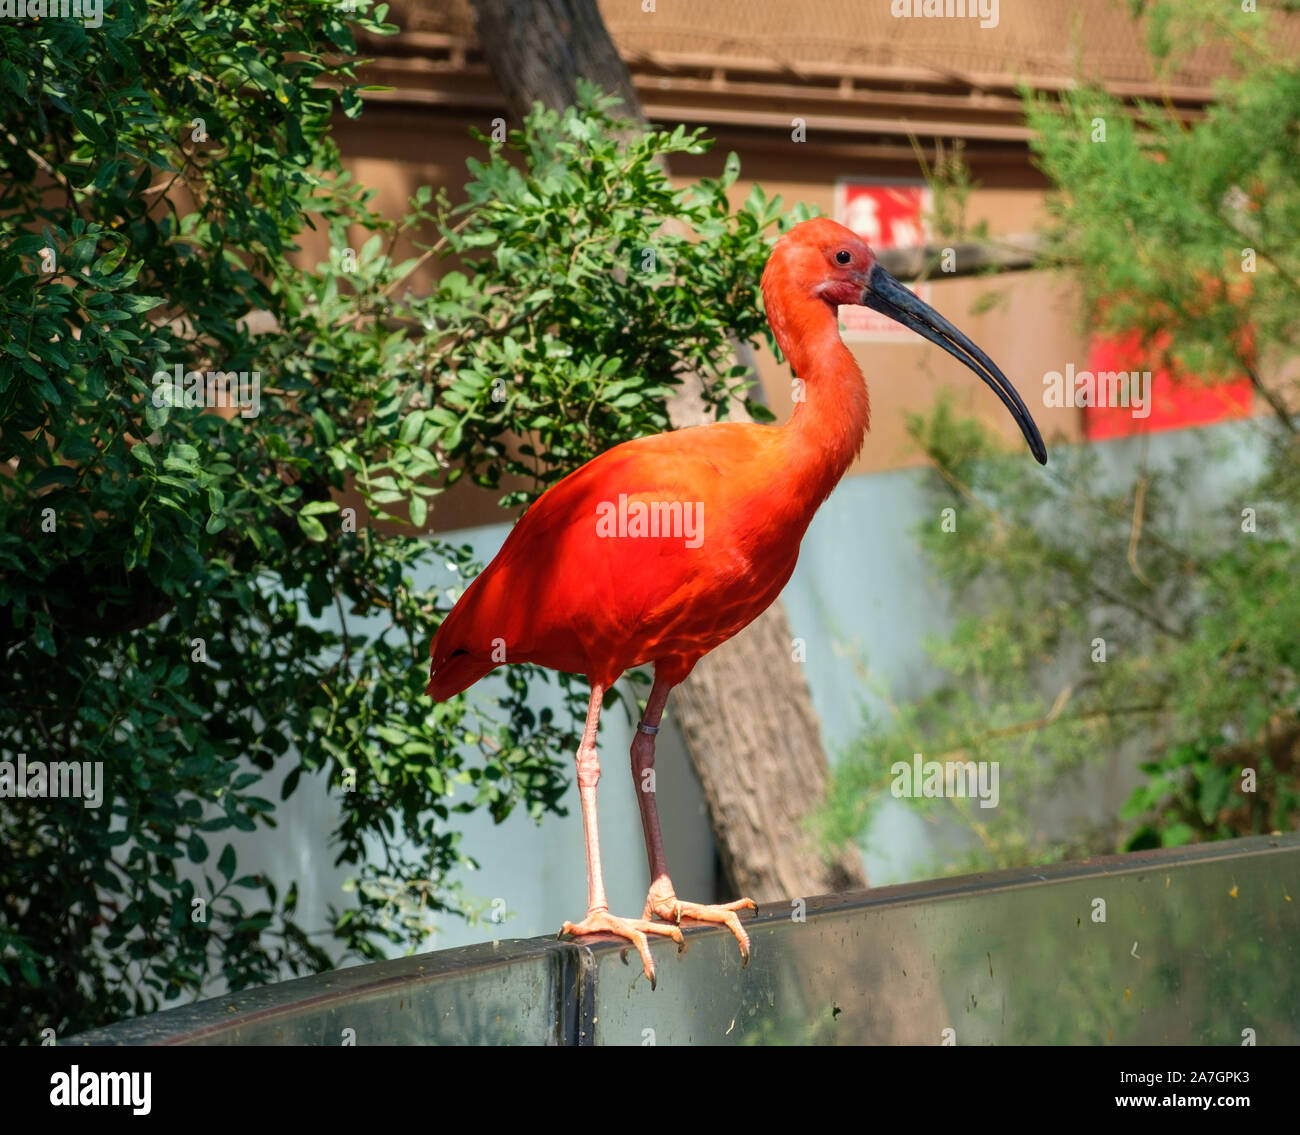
824, 261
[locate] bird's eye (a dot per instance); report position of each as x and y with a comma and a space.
843, 256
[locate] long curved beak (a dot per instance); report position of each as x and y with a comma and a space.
886, 295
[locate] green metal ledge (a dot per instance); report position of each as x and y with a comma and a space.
1189, 946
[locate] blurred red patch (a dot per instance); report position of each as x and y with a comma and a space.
1177, 401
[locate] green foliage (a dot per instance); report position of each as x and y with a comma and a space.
1109, 612
185, 600
584, 310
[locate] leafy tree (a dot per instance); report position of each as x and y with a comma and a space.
1107, 607
183, 595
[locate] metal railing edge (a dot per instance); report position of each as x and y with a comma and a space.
576, 964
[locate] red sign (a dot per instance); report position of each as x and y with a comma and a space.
1176, 401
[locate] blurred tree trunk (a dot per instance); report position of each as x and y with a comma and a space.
757, 750
745, 712
539, 49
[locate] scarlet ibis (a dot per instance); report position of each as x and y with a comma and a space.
665, 546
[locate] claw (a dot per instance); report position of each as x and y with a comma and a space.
672, 909
632, 929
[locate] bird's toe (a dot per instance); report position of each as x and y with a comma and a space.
672, 908
635, 930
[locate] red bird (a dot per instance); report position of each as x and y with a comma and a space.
664, 547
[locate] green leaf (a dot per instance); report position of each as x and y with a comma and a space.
325, 425
226, 863
156, 416
312, 528
318, 508
290, 783
62, 475
44, 639
14, 80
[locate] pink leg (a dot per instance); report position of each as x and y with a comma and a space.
598, 919
662, 899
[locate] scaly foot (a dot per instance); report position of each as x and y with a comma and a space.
670, 908
633, 929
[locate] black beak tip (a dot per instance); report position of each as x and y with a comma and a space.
885, 294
